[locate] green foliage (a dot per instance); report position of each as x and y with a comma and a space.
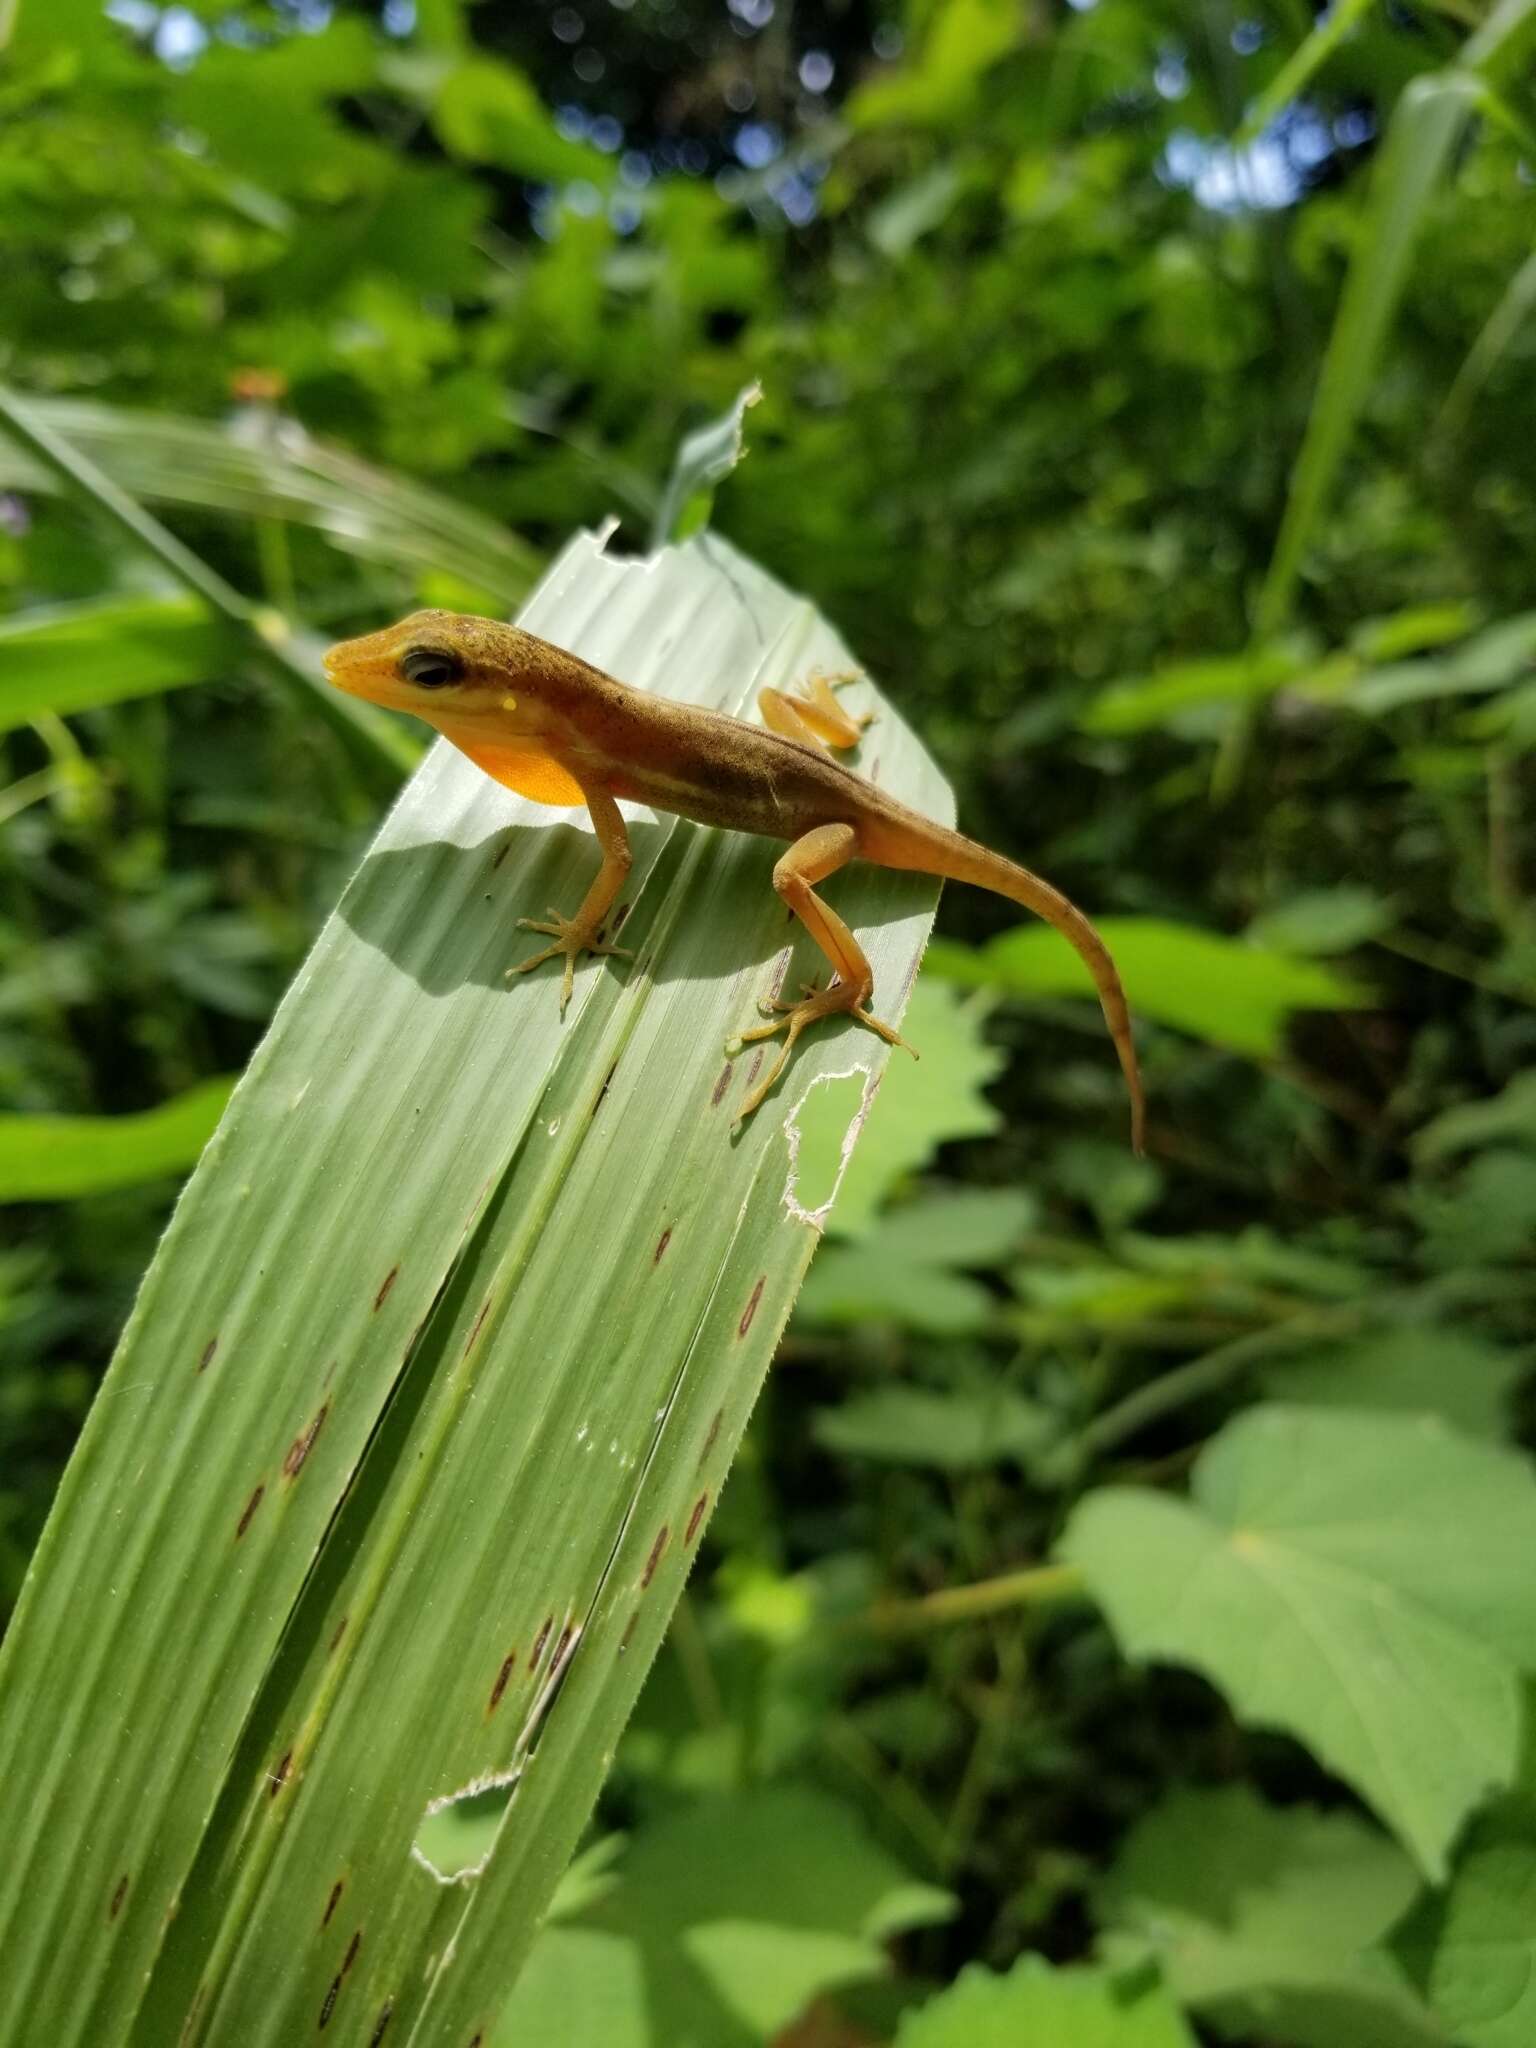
1356, 1580
1269, 1920
954, 1431
722, 1924
1471, 1948
1148, 401
1221, 990
66, 658
59, 1158
1088, 2008
1415, 1367
922, 1102
704, 459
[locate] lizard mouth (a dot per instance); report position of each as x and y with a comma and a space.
362, 669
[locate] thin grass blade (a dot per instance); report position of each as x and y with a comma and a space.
269, 468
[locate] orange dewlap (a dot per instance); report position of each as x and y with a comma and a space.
533, 775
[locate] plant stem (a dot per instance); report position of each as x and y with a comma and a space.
1040, 1585
1205, 1375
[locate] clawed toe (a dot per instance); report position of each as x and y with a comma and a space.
837, 999
570, 939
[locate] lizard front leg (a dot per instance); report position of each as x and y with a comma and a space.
582, 933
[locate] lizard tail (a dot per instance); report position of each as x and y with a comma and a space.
957, 859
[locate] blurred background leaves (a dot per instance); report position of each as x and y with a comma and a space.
1146, 394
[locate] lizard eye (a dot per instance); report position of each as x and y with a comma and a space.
428, 669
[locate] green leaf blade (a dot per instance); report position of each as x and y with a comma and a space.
525, 1268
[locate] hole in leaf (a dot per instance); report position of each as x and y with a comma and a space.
457, 1833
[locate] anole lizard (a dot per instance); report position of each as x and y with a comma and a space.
559, 731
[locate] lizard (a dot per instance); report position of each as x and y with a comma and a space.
550, 726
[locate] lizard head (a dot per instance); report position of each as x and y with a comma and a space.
449, 668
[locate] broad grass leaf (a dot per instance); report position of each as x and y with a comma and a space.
1222, 990
1054, 2008
1268, 1921
1360, 1581
418, 1420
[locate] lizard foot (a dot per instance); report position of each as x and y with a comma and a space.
837, 999
571, 939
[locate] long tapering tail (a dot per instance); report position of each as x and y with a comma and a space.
958, 859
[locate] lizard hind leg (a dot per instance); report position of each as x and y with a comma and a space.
814, 716
811, 859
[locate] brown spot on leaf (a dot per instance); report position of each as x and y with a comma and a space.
655, 1557
629, 1629
303, 1443
505, 849
508, 1664
207, 1358
277, 1779
485, 1309
906, 986
333, 1901
381, 2023
118, 1897
751, 1308
383, 1294
695, 1518
328, 2005
352, 1948
661, 1244
250, 1508
341, 1629
607, 1083
721, 1085
711, 1436
539, 1641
